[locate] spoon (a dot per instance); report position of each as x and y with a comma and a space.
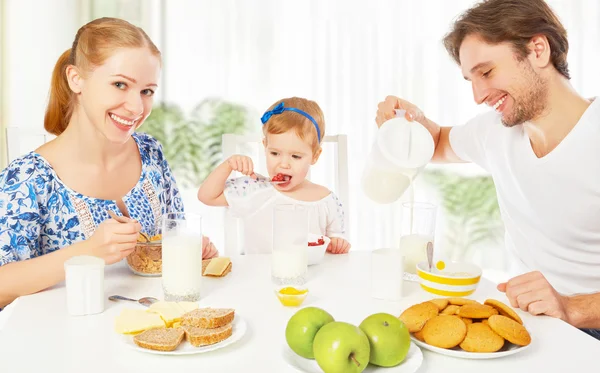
123, 219
430, 254
145, 301
263, 179
120, 219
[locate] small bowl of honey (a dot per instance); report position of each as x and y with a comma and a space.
291, 296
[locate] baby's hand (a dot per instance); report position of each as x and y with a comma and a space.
338, 246
209, 250
242, 164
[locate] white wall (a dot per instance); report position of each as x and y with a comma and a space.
37, 32
3, 108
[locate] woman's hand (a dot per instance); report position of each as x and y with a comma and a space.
113, 241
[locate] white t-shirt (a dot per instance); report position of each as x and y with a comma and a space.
550, 205
253, 202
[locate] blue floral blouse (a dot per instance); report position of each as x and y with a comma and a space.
39, 214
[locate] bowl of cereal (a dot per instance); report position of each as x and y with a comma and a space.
452, 279
146, 258
317, 245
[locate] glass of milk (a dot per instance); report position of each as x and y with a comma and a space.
289, 260
417, 229
182, 256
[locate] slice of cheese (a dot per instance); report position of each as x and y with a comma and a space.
217, 266
188, 306
136, 321
169, 311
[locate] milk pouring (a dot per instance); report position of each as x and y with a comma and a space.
400, 152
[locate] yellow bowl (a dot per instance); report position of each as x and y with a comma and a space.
456, 279
291, 296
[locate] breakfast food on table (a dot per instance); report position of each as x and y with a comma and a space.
467, 321
204, 337
137, 321
476, 311
510, 330
416, 316
444, 331
208, 317
441, 303
380, 339
164, 325
160, 339
460, 301
450, 310
172, 312
480, 338
146, 258
504, 310
290, 296
466, 324
216, 267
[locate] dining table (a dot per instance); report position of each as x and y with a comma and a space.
39, 335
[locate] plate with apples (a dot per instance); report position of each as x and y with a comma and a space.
315, 342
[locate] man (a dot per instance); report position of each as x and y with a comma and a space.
540, 144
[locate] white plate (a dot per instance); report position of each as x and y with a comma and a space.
185, 348
411, 364
508, 349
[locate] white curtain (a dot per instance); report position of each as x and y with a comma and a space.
346, 55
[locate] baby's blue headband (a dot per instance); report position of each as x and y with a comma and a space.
280, 109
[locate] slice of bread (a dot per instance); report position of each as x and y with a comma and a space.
208, 318
204, 337
160, 339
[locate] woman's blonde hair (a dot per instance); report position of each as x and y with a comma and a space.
290, 120
93, 44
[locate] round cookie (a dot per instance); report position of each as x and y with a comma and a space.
445, 331
461, 301
480, 338
466, 320
476, 311
504, 310
450, 310
419, 335
416, 316
441, 303
510, 330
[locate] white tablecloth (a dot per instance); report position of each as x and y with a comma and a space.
41, 337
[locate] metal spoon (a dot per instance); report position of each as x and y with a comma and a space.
145, 301
263, 179
430, 254
123, 219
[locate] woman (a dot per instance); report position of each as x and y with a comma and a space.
59, 196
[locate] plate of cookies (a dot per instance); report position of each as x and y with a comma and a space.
465, 328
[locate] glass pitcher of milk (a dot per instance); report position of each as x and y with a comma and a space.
400, 152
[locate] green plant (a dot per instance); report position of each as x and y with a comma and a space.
218, 117
192, 144
472, 211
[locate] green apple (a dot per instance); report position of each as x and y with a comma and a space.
302, 327
340, 347
388, 337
